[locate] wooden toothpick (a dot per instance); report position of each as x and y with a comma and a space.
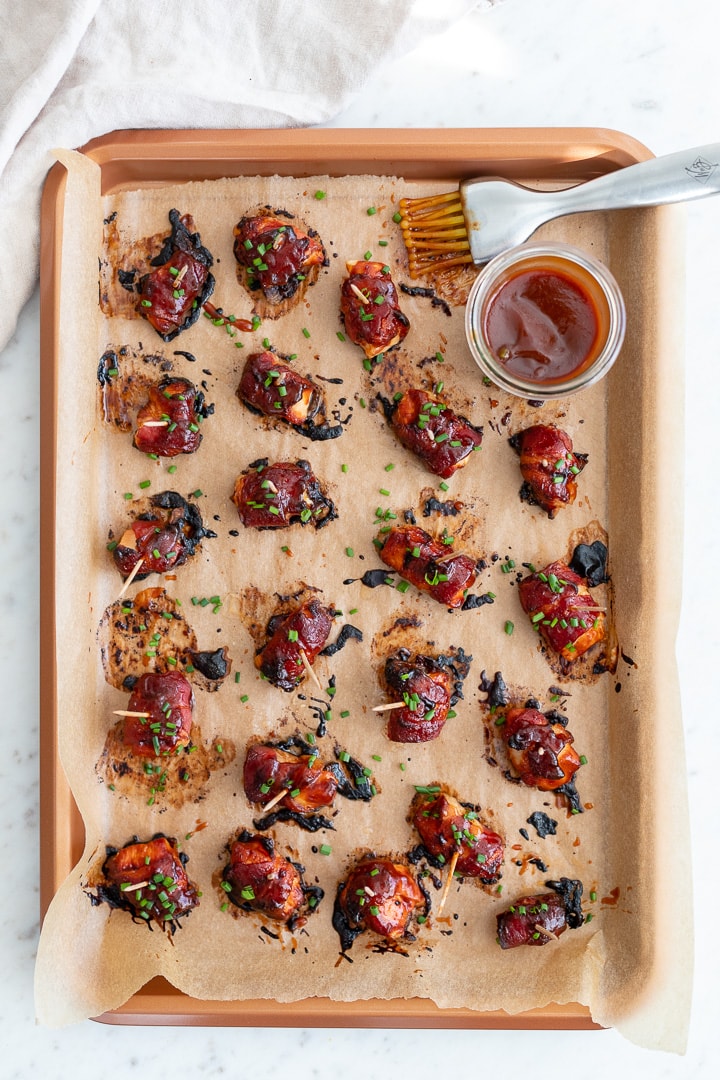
131, 577
392, 705
276, 799
448, 883
308, 668
360, 295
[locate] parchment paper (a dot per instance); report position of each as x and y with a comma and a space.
627, 964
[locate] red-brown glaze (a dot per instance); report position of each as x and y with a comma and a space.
276, 254
165, 892
162, 539
381, 896
427, 426
168, 699
561, 607
275, 389
446, 828
518, 925
304, 630
540, 751
426, 686
262, 881
548, 466
275, 496
169, 424
428, 564
310, 785
378, 323
172, 293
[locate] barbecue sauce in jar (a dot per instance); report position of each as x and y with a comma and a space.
546, 324
545, 320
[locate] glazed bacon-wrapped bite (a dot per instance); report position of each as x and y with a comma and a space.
428, 564
171, 296
257, 879
276, 257
149, 880
379, 895
294, 639
540, 748
306, 785
549, 467
162, 539
169, 423
563, 610
158, 718
536, 920
275, 496
427, 426
271, 388
424, 688
370, 310
290, 782
451, 831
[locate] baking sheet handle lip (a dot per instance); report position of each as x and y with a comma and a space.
154, 1006
52, 783
199, 143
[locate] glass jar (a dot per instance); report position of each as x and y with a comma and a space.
544, 320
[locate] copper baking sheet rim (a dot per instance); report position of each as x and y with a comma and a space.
131, 158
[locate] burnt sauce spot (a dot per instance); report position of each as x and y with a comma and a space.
371, 578
496, 689
213, 665
571, 890
590, 561
310, 823
472, 600
348, 631
447, 509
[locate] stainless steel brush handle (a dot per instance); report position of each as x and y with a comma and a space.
500, 213
687, 174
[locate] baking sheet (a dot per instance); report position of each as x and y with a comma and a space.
614, 422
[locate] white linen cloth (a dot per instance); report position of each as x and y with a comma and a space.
71, 70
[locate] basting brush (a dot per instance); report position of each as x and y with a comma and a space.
486, 216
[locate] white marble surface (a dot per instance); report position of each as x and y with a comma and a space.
646, 67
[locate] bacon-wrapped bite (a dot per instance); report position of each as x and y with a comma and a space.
549, 467
271, 388
539, 748
171, 296
257, 879
563, 610
294, 639
428, 564
148, 880
158, 718
427, 426
169, 423
427, 687
536, 920
370, 310
277, 259
451, 831
162, 539
290, 783
379, 895
276, 496
303, 782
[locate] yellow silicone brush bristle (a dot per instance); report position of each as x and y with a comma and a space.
434, 233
